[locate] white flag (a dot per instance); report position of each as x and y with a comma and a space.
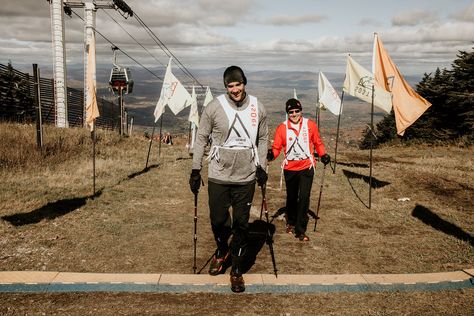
173, 94
328, 97
193, 112
294, 94
208, 98
359, 82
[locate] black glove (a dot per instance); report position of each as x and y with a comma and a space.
261, 176
325, 159
270, 156
195, 180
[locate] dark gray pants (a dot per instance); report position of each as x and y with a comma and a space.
221, 198
298, 192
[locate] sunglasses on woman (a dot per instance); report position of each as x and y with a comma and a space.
294, 111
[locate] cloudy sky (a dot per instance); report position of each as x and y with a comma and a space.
312, 35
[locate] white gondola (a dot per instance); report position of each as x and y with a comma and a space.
120, 78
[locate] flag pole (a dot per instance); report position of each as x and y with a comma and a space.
337, 132
93, 160
149, 147
189, 135
371, 146
161, 128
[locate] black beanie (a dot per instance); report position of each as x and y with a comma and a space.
234, 74
293, 104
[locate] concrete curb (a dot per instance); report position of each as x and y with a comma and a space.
37, 281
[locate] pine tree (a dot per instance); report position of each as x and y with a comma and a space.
462, 96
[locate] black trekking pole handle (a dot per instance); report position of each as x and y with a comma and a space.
319, 199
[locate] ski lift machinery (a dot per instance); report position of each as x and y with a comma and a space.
120, 77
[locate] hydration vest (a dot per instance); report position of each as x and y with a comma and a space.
298, 146
243, 128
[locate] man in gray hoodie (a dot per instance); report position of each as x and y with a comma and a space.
236, 124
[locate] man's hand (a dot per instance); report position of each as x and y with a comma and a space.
270, 156
325, 159
261, 176
195, 180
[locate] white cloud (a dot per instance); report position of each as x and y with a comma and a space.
282, 20
414, 17
466, 14
369, 22
203, 12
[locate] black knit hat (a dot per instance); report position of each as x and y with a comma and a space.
293, 104
234, 74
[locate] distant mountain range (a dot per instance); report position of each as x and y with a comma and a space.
272, 88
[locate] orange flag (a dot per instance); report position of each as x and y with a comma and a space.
408, 105
92, 110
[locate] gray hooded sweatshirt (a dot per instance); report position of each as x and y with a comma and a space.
234, 166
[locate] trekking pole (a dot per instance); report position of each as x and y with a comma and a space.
269, 234
207, 262
319, 200
261, 209
195, 231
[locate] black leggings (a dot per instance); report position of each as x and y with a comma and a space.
298, 192
221, 198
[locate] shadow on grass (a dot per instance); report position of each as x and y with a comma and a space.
49, 211
282, 210
375, 183
258, 235
136, 174
428, 217
352, 164
61, 207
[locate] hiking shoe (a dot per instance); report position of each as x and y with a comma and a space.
217, 263
237, 284
290, 229
302, 237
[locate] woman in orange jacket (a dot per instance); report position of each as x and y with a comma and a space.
299, 138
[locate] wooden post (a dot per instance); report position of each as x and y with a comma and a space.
39, 121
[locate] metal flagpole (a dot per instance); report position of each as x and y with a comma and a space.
161, 128
337, 133
93, 161
371, 146
149, 147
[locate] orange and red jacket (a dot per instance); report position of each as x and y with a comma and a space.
279, 143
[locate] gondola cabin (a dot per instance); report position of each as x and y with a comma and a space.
120, 78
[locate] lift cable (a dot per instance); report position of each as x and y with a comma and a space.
136, 61
136, 41
166, 50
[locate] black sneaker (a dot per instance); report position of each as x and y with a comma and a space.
217, 262
237, 284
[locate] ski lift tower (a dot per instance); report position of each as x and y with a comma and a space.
58, 7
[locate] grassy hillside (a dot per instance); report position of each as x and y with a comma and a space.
141, 220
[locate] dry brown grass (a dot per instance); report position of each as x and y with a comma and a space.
142, 220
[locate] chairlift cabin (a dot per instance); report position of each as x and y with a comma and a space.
120, 78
